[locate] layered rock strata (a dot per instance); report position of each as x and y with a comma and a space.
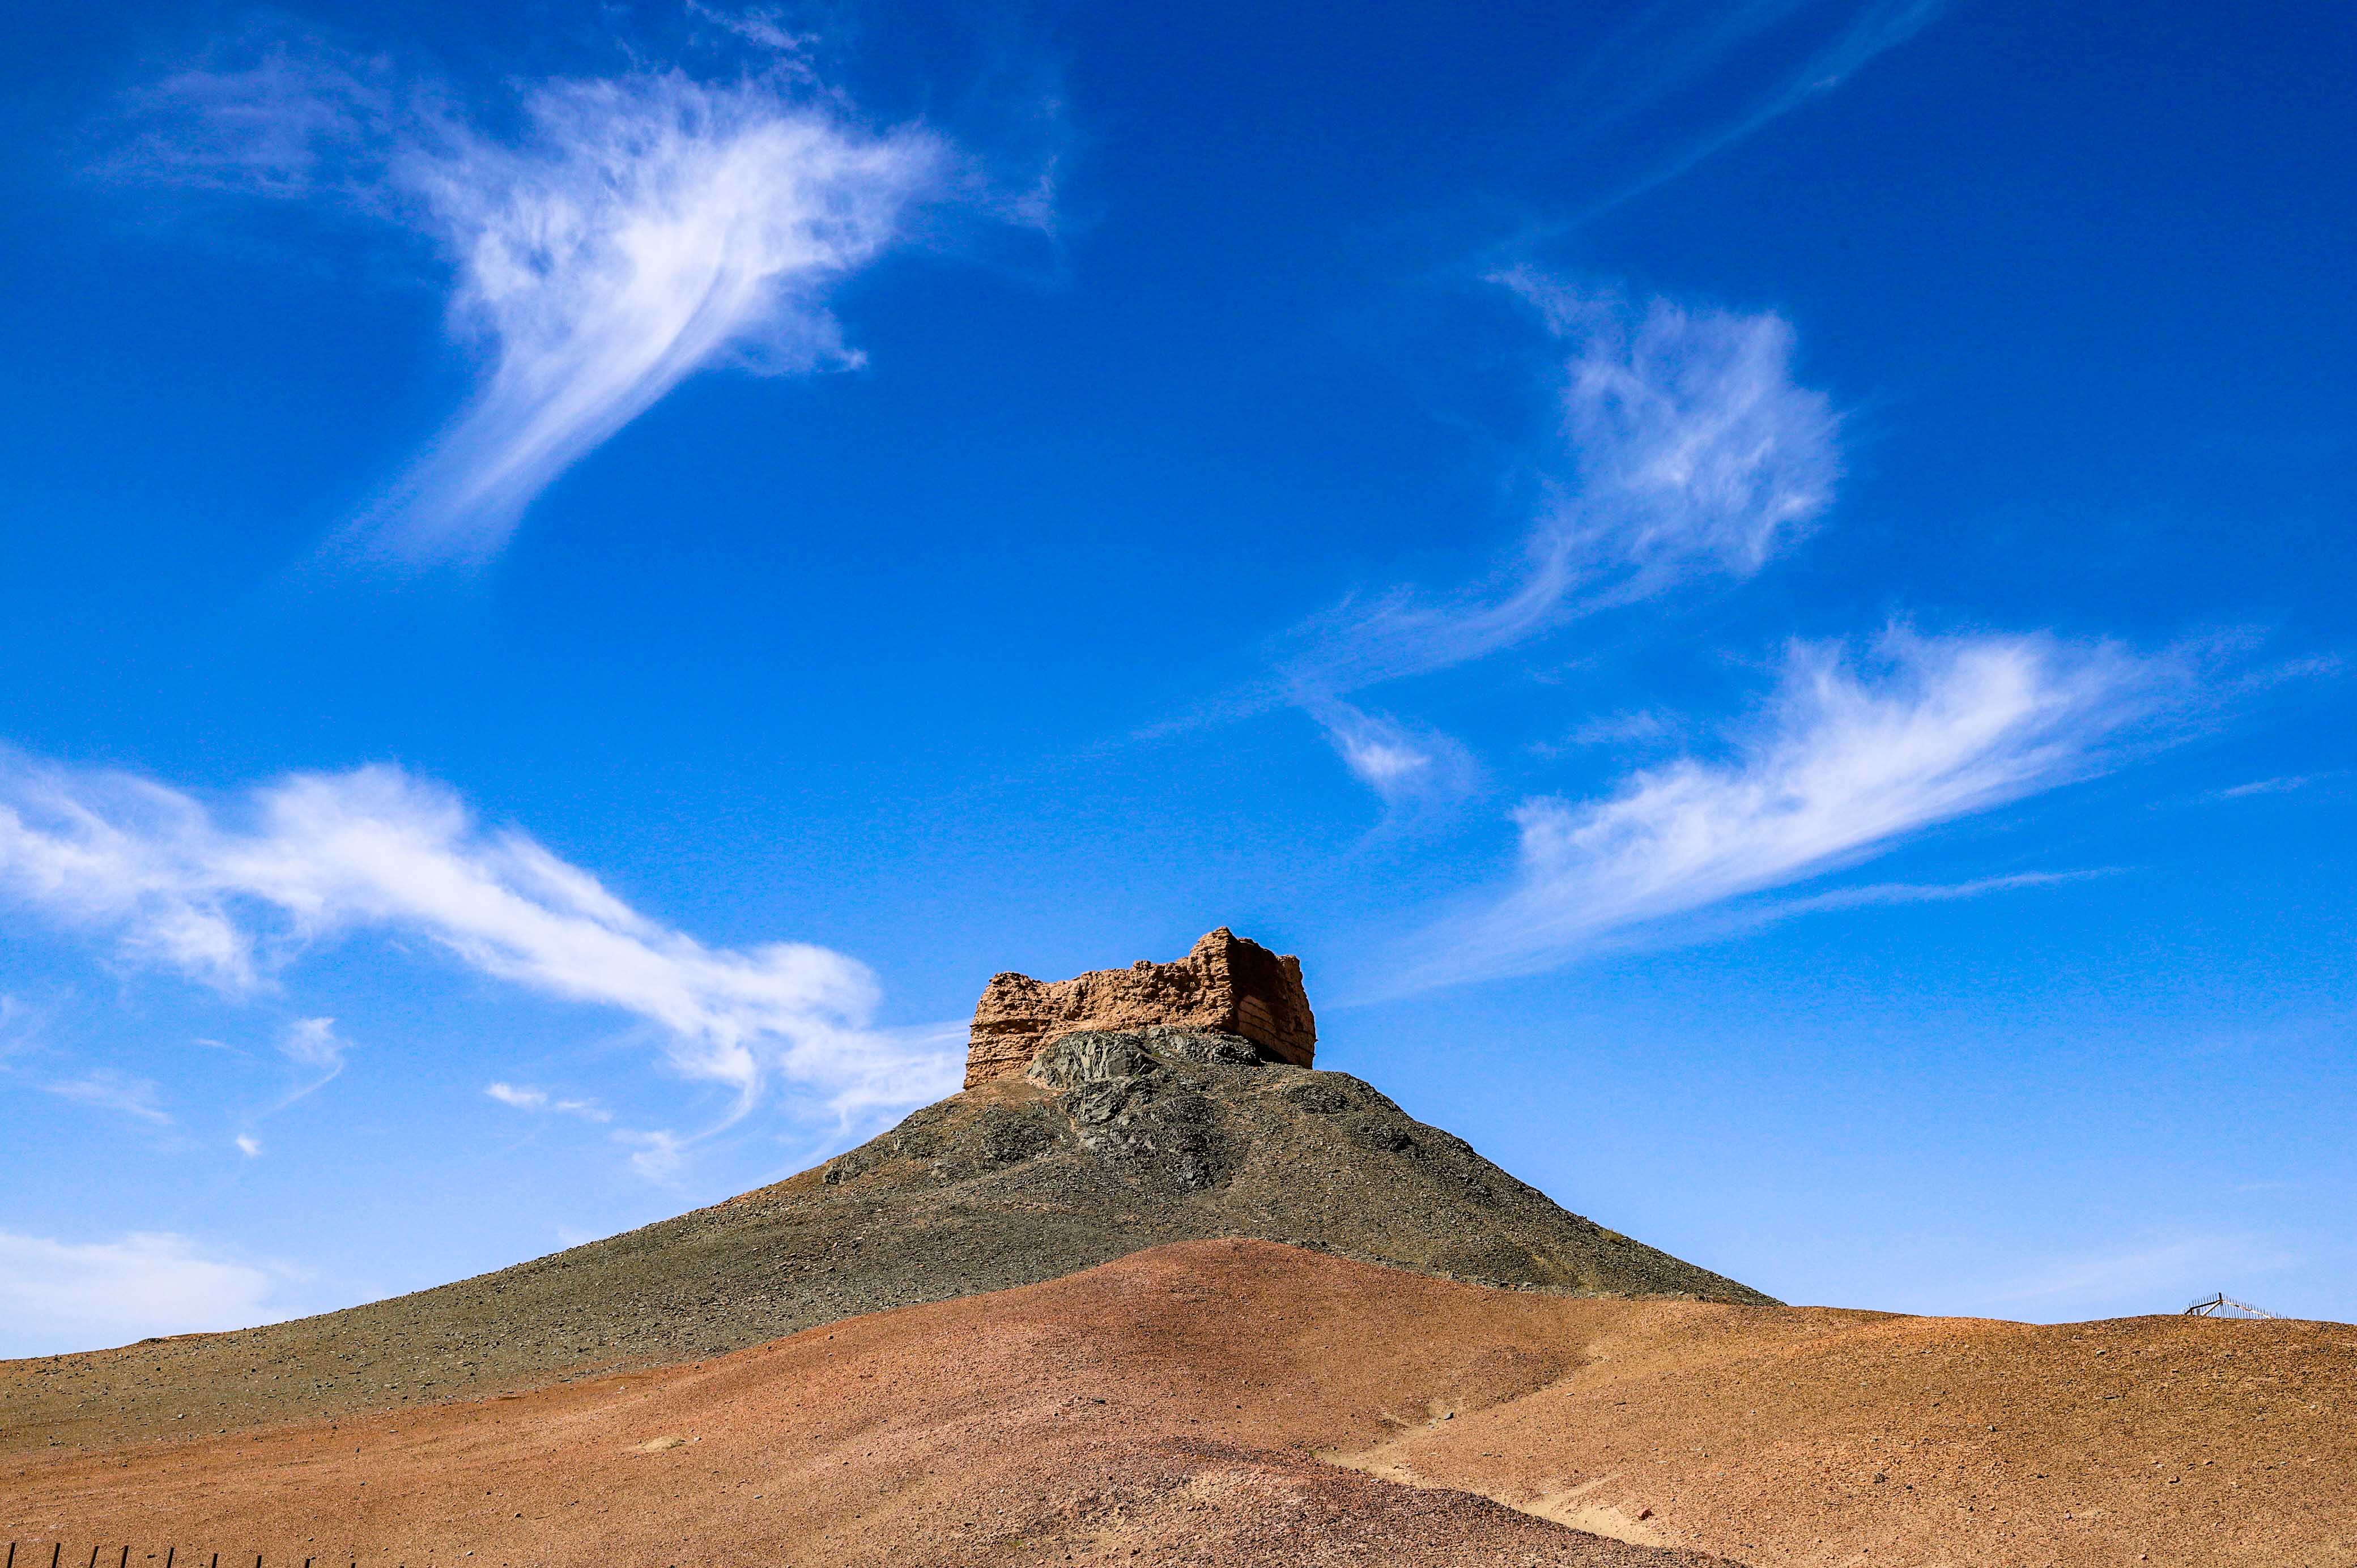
1224, 984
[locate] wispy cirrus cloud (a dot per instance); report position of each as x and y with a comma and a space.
1640, 726
766, 26
2280, 785
104, 1088
1412, 767
1689, 446
631, 230
23, 1056
313, 1043
656, 1156
1850, 758
1688, 449
1875, 894
1743, 915
1695, 448
1722, 73
229, 895
313, 1046
525, 1097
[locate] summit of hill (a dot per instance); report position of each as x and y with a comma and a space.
1156, 1289
1103, 1142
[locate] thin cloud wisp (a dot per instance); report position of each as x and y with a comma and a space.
635, 229
230, 898
1691, 449
1688, 448
1845, 764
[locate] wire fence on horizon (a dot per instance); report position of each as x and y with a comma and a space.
23, 1554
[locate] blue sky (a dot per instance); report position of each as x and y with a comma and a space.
1762, 590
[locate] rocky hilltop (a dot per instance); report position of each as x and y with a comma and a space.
1225, 985
1108, 1142
1207, 1397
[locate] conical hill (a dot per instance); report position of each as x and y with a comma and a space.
1112, 1141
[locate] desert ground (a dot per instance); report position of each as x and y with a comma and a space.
1008, 1183
1241, 1402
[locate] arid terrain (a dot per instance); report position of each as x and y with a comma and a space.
1160, 1300
1245, 1402
1128, 1144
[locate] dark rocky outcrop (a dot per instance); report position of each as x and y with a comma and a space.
1225, 984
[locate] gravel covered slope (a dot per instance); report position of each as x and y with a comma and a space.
1169, 1408
1222, 1404
1116, 1143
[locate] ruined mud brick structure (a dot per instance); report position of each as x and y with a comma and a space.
1224, 982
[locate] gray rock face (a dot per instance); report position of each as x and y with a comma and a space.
1172, 1131
1134, 1103
1225, 983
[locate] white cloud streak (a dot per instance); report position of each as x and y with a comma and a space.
1690, 450
656, 1156
1645, 729
58, 1296
763, 26
1842, 766
231, 897
1884, 893
1696, 449
108, 1089
637, 229
1682, 48
312, 1043
1410, 767
2283, 786
1736, 919
525, 1097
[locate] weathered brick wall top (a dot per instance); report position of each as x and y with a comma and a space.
1224, 982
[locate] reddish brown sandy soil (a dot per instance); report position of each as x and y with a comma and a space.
1244, 1402
1813, 1436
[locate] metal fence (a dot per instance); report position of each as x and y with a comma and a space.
28, 1555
